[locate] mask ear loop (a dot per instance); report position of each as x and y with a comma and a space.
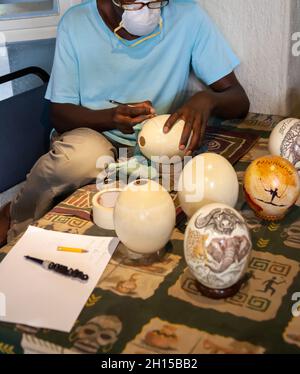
139, 41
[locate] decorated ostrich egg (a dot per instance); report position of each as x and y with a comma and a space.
285, 141
144, 216
207, 178
271, 187
217, 246
153, 142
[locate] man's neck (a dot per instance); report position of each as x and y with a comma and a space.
112, 16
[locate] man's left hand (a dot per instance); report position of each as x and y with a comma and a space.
196, 116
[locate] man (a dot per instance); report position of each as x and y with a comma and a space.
129, 52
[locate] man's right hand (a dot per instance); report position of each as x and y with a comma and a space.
125, 117
66, 117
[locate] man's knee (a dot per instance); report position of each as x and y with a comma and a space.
77, 157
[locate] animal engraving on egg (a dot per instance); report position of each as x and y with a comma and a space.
227, 251
290, 146
223, 221
217, 246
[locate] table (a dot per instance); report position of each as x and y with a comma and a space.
157, 308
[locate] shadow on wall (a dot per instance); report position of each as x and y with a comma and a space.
30, 53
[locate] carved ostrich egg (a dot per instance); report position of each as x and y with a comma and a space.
206, 179
153, 142
271, 186
285, 141
144, 216
217, 246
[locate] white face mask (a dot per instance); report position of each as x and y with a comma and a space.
141, 22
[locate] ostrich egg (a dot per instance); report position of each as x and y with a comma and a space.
206, 179
271, 186
217, 246
144, 216
153, 142
285, 141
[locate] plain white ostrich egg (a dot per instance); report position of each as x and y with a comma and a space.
207, 178
153, 142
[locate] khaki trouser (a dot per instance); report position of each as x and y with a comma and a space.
70, 164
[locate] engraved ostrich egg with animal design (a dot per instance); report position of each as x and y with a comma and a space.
217, 246
271, 186
153, 142
207, 178
144, 216
285, 141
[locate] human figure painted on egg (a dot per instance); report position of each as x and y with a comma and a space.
274, 192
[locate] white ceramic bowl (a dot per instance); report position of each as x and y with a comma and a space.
206, 179
144, 217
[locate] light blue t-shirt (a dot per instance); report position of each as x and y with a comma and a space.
92, 65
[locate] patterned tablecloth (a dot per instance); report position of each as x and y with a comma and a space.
157, 308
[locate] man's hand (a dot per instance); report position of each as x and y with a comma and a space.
195, 114
125, 117
226, 99
67, 117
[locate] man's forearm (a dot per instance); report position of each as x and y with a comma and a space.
230, 103
66, 117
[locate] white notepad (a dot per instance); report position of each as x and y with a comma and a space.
39, 297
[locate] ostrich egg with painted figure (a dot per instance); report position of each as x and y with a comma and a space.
144, 217
285, 142
271, 186
206, 179
153, 142
217, 248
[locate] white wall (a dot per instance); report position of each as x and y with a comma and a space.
6, 88
260, 33
34, 28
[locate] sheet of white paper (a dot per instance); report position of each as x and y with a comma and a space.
42, 298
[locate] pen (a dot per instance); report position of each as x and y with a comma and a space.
119, 103
74, 250
58, 268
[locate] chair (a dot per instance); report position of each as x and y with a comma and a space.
24, 129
